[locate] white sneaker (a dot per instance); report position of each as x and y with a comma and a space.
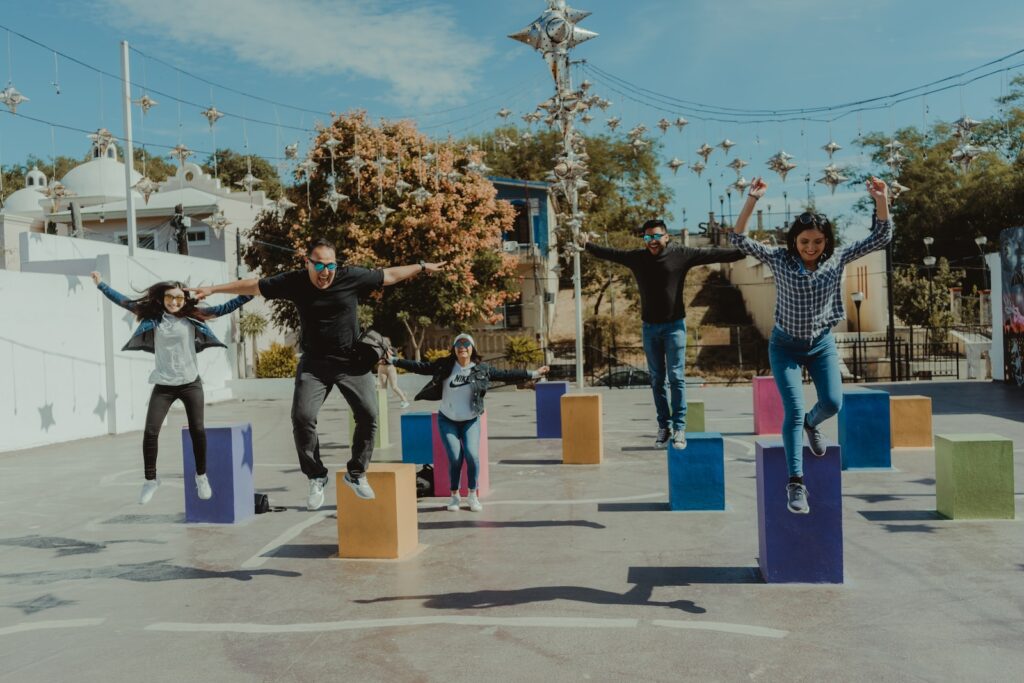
203, 487
149, 487
679, 440
360, 485
316, 493
474, 502
405, 404
453, 504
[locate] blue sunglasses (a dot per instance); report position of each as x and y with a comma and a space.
318, 266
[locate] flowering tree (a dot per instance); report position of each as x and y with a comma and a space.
441, 209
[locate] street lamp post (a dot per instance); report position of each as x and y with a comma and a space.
981, 241
858, 298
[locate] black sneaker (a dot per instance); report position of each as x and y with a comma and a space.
796, 495
815, 438
663, 436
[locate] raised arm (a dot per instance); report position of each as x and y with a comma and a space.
250, 288
620, 256
228, 307
396, 274
737, 237
881, 226
111, 293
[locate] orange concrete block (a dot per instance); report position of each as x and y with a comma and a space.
383, 528
910, 421
582, 437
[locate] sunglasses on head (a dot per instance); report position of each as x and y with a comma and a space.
318, 266
655, 236
808, 218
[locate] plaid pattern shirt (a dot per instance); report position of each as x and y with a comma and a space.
809, 303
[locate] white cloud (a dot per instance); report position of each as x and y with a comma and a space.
417, 49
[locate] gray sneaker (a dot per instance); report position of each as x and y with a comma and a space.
797, 499
815, 438
359, 484
663, 437
316, 493
679, 440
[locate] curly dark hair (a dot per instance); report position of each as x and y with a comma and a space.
151, 304
812, 221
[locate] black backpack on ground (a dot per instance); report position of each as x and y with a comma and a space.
425, 482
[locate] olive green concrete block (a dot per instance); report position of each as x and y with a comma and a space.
695, 416
974, 476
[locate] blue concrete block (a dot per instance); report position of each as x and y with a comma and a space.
417, 438
229, 467
799, 548
549, 409
865, 436
696, 474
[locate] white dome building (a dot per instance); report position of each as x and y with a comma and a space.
99, 180
25, 202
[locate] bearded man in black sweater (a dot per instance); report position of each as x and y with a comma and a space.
660, 269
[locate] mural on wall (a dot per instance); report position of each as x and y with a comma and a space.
1011, 243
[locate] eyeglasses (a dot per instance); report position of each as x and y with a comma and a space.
318, 266
170, 298
462, 344
655, 236
808, 218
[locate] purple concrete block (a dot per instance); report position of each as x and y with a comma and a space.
799, 548
768, 412
549, 409
229, 465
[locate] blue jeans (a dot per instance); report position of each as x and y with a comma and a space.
788, 355
461, 441
665, 346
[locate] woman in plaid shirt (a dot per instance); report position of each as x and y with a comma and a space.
808, 277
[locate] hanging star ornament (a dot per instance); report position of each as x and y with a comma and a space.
504, 113
146, 103
382, 212
675, 164
680, 123
741, 184
102, 139
181, 153
833, 177
963, 128
698, 168
781, 164
737, 164
331, 143
249, 182
284, 205
212, 115
307, 167
831, 147
504, 142
664, 125
705, 150
291, 151
146, 188
726, 145
401, 187
332, 198
964, 155
12, 98
895, 189
420, 195
613, 123
218, 221
555, 31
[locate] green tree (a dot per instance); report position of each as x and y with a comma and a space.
252, 325
232, 167
157, 168
911, 292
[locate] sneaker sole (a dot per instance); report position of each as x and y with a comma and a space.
798, 512
355, 490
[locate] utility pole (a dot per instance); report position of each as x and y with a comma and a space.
129, 154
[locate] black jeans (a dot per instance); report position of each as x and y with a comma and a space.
313, 381
160, 401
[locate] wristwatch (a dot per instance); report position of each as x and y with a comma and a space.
423, 266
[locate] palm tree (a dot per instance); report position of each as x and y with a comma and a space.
252, 325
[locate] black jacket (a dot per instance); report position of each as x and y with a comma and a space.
479, 378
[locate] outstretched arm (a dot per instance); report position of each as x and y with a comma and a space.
396, 274
516, 375
619, 256
111, 293
416, 367
250, 287
706, 255
228, 307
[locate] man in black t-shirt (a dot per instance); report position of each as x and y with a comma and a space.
326, 295
660, 270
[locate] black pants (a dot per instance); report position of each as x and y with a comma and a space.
160, 401
313, 381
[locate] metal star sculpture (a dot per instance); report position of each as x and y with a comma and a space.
737, 164
331, 143
307, 167
381, 163
675, 164
146, 188
291, 151
781, 164
249, 182
964, 127
504, 142
554, 33
532, 117
146, 102
964, 155
895, 190
332, 198
420, 195
181, 153
893, 146
401, 187
698, 168
741, 184
664, 125
704, 151
211, 115
726, 145
12, 98
382, 212
356, 164
638, 144
218, 222
896, 160
613, 123
636, 131
833, 177
284, 205
102, 139
831, 147
586, 118
680, 123
504, 113
603, 104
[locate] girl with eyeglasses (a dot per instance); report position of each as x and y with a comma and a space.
173, 328
808, 274
460, 381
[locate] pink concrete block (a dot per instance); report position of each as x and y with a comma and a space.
767, 406
441, 482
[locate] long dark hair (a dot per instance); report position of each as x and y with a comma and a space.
812, 221
151, 304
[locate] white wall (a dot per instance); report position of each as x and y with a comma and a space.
995, 269
60, 344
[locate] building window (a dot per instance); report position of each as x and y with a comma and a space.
513, 319
146, 240
198, 237
520, 230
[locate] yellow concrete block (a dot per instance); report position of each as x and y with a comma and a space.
582, 437
385, 527
910, 421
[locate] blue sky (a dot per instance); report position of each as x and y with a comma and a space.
450, 65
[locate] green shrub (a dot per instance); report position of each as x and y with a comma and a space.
522, 352
277, 361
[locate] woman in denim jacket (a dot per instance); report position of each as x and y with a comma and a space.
460, 381
173, 328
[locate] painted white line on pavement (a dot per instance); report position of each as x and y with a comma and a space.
258, 559
724, 627
47, 625
356, 624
